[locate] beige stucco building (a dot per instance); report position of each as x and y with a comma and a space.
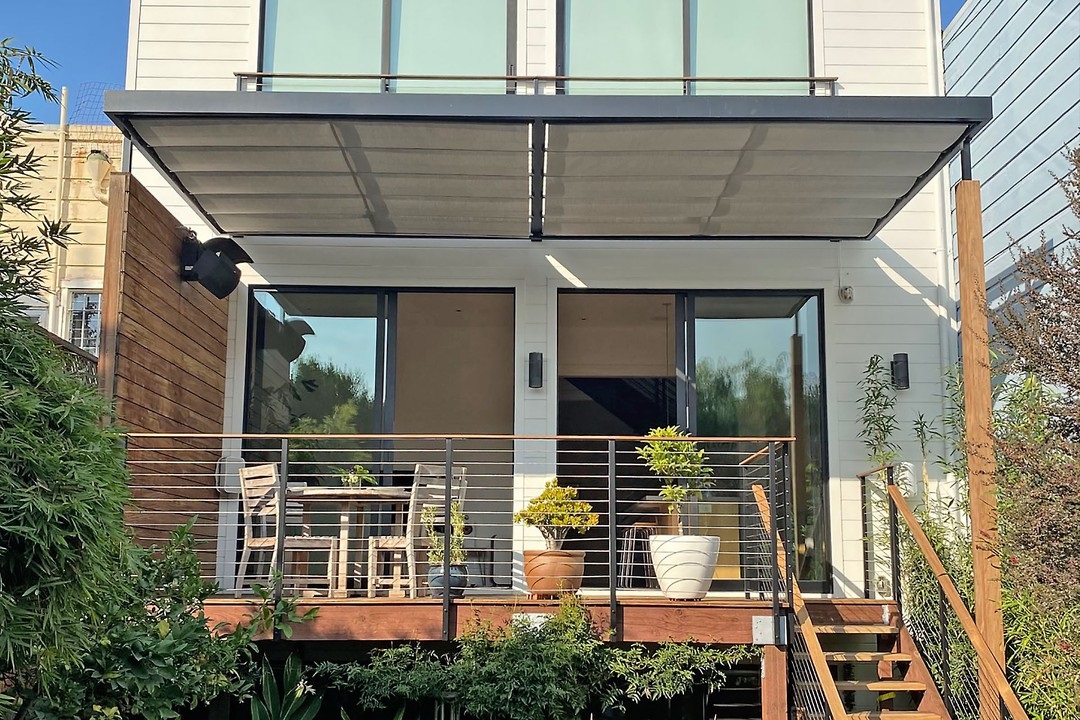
70, 306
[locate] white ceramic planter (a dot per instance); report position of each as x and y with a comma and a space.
684, 564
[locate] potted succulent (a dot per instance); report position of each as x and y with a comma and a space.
684, 564
555, 512
431, 519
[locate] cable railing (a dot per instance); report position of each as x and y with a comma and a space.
971, 681
537, 84
364, 517
78, 361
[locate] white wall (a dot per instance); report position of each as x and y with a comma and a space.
902, 283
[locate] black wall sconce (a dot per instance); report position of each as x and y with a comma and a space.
900, 378
213, 264
536, 370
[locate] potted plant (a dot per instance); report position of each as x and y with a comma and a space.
433, 523
555, 512
357, 476
684, 564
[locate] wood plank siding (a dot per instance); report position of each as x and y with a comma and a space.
162, 361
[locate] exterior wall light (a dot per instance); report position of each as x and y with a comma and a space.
213, 264
536, 370
98, 166
900, 377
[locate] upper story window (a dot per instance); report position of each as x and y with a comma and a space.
85, 323
398, 37
674, 38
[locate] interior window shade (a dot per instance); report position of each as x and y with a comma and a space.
735, 38
329, 36
448, 37
624, 38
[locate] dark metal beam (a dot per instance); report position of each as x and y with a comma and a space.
536, 182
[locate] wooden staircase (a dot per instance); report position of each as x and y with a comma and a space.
865, 671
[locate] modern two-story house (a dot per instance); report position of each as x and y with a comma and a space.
507, 238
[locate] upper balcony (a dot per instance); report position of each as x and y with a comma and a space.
592, 47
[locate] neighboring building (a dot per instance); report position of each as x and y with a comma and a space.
71, 308
1026, 55
504, 228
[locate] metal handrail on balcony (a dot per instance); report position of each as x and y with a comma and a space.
537, 83
183, 478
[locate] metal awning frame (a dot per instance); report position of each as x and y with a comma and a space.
539, 111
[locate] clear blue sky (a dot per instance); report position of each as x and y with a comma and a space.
88, 40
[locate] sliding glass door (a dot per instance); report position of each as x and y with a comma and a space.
732, 365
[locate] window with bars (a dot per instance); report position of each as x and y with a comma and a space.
85, 320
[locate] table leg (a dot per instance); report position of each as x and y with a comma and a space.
344, 528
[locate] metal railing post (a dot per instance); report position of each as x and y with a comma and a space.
894, 540
868, 543
613, 516
790, 542
774, 565
448, 535
943, 636
279, 529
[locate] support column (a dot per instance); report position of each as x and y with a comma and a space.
974, 338
774, 682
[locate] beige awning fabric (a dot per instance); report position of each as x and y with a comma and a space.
531, 167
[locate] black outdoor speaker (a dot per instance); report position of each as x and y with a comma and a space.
900, 378
217, 273
536, 370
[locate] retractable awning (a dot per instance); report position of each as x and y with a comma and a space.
536, 166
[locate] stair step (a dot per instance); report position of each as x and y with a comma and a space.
880, 685
867, 657
893, 715
856, 629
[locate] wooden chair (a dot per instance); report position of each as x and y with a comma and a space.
399, 551
260, 504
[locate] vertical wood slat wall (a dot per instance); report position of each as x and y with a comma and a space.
162, 360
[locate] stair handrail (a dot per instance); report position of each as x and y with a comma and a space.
802, 615
986, 657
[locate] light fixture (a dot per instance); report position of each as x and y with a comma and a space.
536, 370
288, 337
98, 166
213, 264
561, 269
901, 380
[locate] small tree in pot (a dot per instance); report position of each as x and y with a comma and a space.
684, 564
459, 575
555, 512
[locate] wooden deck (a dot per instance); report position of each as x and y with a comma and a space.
726, 621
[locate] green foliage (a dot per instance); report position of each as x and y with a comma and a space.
429, 518
558, 668
295, 699
673, 669
878, 413
679, 462
555, 512
62, 476
154, 653
277, 615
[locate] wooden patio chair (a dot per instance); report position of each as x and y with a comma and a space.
260, 504
398, 552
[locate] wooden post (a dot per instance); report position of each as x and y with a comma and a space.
974, 339
774, 682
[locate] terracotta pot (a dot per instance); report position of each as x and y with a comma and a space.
553, 572
684, 564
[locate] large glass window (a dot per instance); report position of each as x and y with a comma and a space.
672, 38
313, 367
323, 37
624, 38
757, 373
401, 37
